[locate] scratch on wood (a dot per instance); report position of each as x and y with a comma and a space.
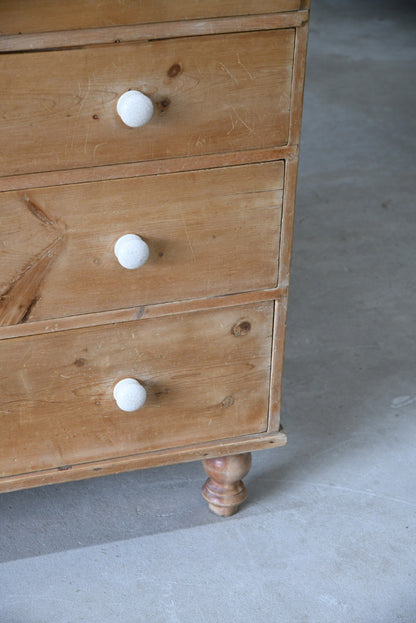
227, 71
244, 67
86, 140
242, 120
97, 146
81, 106
232, 124
187, 235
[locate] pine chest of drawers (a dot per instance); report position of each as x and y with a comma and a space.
148, 158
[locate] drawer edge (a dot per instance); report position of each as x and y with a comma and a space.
147, 168
155, 310
150, 32
158, 458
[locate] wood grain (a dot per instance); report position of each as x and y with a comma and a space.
203, 331
195, 452
224, 490
288, 221
231, 92
210, 233
150, 167
205, 381
117, 35
299, 68
143, 311
278, 341
19, 17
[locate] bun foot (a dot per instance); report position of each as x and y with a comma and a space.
224, 490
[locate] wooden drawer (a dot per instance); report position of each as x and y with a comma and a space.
195, 321
57, 402
212, 94
209, 232
18, 16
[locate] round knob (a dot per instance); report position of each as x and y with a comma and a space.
134, 108
131, 251
129, 395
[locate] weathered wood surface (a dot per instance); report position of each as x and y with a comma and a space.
143, 311
149, 167
299, 68
212, 94
20, 17
278, 349
210, 233
206, 374
236, 99
195, 452
117, 35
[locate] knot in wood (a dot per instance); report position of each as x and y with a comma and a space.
241, 328
174, 70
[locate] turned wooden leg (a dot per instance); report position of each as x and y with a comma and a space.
224, 490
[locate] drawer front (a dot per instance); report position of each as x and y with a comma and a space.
206, 375
211, 94
18, 16
209, 233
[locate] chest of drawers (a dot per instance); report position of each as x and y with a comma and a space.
148, 159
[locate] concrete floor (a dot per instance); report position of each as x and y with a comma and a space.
329, 532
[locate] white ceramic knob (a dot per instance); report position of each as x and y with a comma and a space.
131, 251
134, 108
129, 394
